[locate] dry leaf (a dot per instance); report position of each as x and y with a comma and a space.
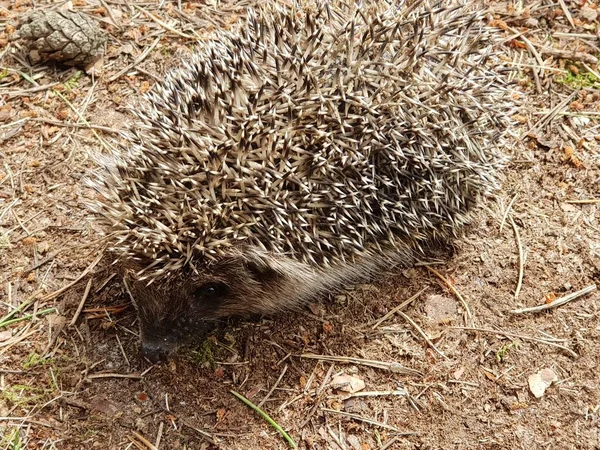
540, 381
347, 383
5, 335
459, 373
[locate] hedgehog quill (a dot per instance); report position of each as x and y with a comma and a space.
307, 149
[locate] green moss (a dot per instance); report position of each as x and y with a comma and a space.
22, 395
34, 360
503, 352
205, 355
580, 80
3, 74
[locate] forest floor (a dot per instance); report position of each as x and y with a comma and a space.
74, 384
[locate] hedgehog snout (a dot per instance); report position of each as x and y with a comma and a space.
158, 349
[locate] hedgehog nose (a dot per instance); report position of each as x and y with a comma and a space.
156, 351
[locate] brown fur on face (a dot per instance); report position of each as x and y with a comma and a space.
243, 283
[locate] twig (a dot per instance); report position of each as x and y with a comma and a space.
33, 90
132, 376
400, 307
262, 402
389, 443
392, 367
519, 336
568, 54
453, 289
536, 55
82, 302
423, 334
558, 302
317, 398
265, 416
521, 262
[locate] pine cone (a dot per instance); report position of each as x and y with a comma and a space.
70, 38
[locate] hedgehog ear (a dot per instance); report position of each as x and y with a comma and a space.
259, 268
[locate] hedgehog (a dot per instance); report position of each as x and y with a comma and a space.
304, 150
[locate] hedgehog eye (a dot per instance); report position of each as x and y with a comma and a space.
211, 292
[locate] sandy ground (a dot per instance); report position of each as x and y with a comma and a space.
67, 385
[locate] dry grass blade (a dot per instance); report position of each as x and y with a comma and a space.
399, 392
571, 55
159, 435
138, 60
27, 420
423, 334
508, 208
568, 15
105, 144
164, 25
400, 307
262, 402
15, 340
207, 436
83, 274
392, 367
369, 421
550, 115
149, 445
453, 289
558, 302
521, 258
519, 336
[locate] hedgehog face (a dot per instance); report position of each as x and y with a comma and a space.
183, 304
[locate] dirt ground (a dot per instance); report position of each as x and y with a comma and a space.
68, 384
